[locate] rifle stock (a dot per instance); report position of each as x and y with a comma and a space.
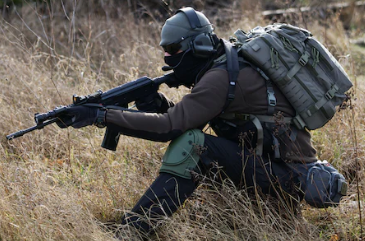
116, 98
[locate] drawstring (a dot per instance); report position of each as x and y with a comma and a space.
288, 45
315, 54
274, 58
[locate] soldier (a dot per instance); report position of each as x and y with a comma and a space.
272, 157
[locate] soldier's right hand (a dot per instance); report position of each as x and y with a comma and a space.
154, 103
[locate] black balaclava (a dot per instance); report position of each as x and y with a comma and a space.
188, 69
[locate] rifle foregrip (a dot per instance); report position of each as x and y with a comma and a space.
111, 139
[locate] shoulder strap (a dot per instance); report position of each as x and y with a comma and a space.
233, 70
233, 66
271, 99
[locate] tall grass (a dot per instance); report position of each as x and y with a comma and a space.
59, 184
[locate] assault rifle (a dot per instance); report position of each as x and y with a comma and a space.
118, 97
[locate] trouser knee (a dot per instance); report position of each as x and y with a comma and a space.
182, 155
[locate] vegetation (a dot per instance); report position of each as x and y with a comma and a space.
59, 184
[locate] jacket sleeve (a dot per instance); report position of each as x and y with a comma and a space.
205, 101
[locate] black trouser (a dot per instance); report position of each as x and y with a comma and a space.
168, 192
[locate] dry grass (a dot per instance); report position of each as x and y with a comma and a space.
60, 184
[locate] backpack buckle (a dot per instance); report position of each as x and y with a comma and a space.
242, 117
271, 96
303, 60
331, 93
272, 99
231, 97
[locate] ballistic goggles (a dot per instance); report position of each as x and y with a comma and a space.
174, 47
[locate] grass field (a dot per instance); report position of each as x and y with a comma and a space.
59, 184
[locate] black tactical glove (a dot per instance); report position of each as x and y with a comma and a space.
154, 103
81, 116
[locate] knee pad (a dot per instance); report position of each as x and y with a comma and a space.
181, 156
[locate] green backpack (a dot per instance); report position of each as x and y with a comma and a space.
304, 70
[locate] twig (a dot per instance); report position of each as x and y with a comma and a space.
72, 34
358, 168
357, 163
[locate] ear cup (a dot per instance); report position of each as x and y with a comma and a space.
202, 46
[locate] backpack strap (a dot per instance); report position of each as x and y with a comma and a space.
233, 71
271, 99
233, 67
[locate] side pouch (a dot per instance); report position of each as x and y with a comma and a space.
325, 185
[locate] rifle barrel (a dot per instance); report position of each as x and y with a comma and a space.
25, 131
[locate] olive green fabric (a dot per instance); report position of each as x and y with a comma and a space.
177, 28
182, 156
307, 74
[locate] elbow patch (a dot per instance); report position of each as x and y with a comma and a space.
182, 156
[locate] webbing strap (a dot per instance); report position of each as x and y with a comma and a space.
303, 60
276, 147
319, 104
271, 119
262, 118
233, 71
299, 122
256, 120
260, 135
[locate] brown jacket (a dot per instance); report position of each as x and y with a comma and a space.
204, 103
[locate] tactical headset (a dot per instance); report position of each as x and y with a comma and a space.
202, 44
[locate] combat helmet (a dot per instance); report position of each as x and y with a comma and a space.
188, 29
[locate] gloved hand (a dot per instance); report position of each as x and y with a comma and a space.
154, 103
79, 116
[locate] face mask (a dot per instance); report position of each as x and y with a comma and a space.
186, 67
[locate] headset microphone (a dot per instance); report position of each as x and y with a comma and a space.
167, 68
